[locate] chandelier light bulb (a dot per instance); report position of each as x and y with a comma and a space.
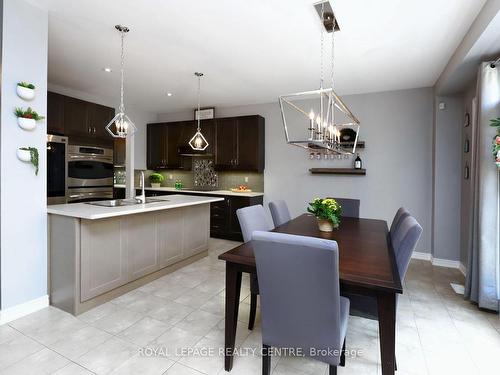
311, 115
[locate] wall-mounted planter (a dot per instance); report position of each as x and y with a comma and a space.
25, 93
26, 123
29, 155
24, 155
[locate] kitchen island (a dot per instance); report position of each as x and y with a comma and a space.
98, 253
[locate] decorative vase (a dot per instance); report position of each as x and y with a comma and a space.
326, 225
155, 184
24, 155
25, 93
26, 123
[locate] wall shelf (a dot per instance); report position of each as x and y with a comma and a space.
345, 171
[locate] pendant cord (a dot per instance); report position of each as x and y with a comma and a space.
199, 95
322, 42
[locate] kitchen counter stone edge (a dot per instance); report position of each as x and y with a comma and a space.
214, 192
90, 212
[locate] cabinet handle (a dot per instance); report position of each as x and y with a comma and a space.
93, 129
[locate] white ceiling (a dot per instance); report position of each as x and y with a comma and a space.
250, 51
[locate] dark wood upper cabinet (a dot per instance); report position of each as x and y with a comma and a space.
76, 118
98, 117
55, 113
240, 143
156, 146
236, 143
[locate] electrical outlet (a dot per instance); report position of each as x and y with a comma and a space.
246, 178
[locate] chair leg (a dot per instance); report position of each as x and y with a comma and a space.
333, 370
253, 311
266, 360
395, 364
342, 356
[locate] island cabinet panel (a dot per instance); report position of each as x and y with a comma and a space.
196, 229
103, 257
170, 236
140, 233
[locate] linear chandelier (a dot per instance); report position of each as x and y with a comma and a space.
319, 126
121, 126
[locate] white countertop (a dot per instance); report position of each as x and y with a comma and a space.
216, 192
87, 211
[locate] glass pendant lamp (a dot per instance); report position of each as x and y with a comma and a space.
121, 126
198, 142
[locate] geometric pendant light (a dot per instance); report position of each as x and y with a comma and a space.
121, 126
318, 119
198, 142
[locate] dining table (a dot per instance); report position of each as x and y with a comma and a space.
367, 266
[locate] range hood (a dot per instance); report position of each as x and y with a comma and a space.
189, 152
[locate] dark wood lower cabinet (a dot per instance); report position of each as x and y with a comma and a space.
223, 220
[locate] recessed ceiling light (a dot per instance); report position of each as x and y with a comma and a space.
107, 70
169, 94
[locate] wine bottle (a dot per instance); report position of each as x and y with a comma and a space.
358, 164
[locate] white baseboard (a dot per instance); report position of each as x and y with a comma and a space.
440, 262
18, 311
421, 256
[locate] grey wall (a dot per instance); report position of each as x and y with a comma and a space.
397, 128
137, 115
23, 221
447, 177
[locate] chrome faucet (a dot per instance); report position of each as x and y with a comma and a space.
142, 198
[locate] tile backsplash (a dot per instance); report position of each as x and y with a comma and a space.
226, 179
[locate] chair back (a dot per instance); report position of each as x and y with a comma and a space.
299, 288
252, 218
350, 207
401, 214
404, 242
279, 212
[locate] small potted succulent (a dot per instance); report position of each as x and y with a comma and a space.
29, 154
327, 212
496, 142
25, 90
27, 119
156, 179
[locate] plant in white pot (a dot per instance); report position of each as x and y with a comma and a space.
29, 154
27, 119
496, 142
25, 90
156, 179
327, 212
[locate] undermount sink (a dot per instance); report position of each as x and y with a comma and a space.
125, 202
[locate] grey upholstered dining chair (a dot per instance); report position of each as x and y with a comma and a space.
279, 212
252, 218
403, 240
299, 311
401, 214
350, 207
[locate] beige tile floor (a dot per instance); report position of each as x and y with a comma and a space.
437, 332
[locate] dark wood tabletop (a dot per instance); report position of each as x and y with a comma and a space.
366, 255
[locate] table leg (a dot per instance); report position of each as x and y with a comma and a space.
387, 331
233, 288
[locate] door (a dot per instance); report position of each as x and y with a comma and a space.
156, 146
57, 168
98, 117
226, 136
250, 143
55, 113
75, 117
196, 229
235, 203
169, 227
174, 138
102, 271
141, 230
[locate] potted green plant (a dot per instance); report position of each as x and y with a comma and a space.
496, 142
29, 154
25, 90
156, 179
327, 212
27, 119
